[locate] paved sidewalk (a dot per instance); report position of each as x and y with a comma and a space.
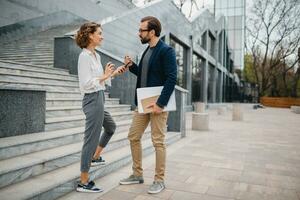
256, 159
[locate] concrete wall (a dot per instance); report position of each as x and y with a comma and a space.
66, 54
31, 26
13, 11
21, 112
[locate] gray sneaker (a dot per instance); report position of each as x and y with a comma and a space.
156, 187
132, 179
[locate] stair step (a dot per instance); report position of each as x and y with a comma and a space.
25, 56
13, 65
59, 94
47, 63
56, 183
26, 52
123, 125
31, 59
23, 144
22, 86
32, 74
26, 49
75, 101
40, 162
117, 116
44, 41
77, 110
38, 81
41, 60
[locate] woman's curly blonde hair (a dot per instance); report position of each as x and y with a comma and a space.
82, 36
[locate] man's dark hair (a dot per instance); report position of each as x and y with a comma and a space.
153, 24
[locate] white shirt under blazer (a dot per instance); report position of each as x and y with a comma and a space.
90, 70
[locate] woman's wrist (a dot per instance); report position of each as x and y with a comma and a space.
106, 76
115, 73
103, 78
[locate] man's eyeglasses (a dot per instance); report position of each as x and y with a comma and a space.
143, 30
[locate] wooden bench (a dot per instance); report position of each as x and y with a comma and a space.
280, 102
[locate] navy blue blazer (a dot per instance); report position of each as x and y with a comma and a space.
162, 71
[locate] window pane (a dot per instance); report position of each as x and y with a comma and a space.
231, 38
238, 22
238, 11
230, 23
203, 40
180, 60
230, 12
238, 40
230, 3
218, 3
224, 4
238, 3
237, 57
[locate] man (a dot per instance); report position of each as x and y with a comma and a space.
156, 68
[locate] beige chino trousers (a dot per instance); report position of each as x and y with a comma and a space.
158, 127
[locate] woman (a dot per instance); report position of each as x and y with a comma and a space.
92, 79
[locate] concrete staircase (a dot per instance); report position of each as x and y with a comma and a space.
45, 165
35, 49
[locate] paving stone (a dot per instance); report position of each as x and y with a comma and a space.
117, 194
178, 195
186, 187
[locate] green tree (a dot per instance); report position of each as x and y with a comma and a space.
248, 71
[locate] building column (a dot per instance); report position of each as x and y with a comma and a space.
222, 67
205, 74
221, 87
189, 63
214, 86
204, 81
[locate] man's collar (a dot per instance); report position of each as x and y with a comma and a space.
157, 44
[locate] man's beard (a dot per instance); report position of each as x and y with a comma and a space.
145, 40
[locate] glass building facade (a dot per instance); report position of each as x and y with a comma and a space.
234, 11
211, 82
181, 59
197, 77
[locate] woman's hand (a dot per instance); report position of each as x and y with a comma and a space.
109, 69
120, 70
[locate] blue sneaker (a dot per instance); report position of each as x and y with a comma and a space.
96, 162
90, 187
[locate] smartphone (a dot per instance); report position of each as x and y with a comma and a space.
127, 65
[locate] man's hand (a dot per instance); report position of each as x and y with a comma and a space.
155, 108
128, 61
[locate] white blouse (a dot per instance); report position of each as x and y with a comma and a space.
89, 72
